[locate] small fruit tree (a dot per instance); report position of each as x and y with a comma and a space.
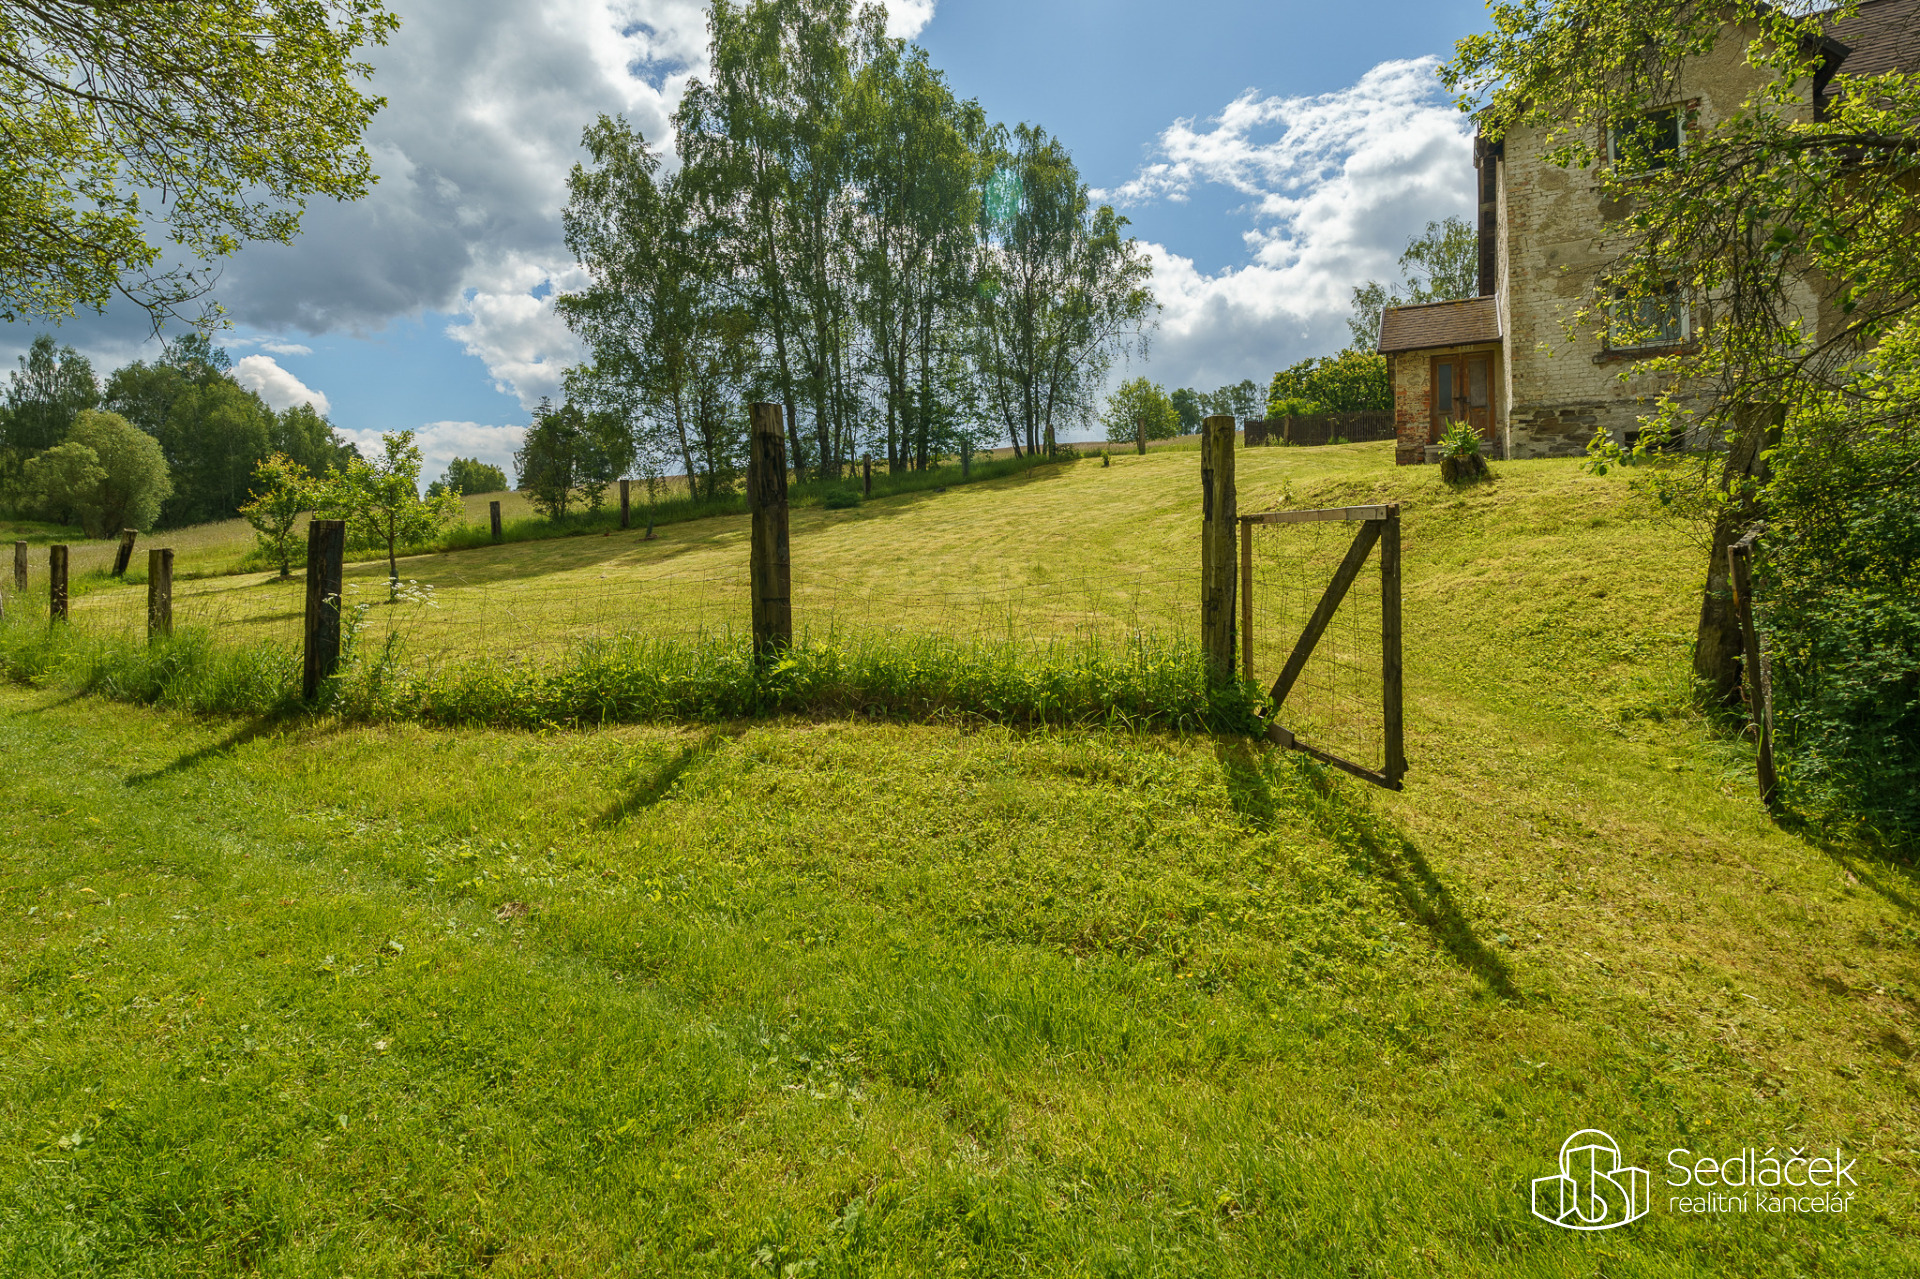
284, 491
381, 503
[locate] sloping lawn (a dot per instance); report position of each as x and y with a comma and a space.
802, 998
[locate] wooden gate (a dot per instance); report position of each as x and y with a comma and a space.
1378, 525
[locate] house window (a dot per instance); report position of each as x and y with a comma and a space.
1651, 140
1657, 319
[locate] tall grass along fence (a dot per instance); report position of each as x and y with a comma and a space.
736, 622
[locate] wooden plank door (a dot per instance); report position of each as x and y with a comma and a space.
1462, 389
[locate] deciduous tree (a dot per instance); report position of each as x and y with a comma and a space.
108, 475
206, 121
283, 491
381, 503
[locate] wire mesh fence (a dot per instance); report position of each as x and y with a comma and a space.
506, 607
1335, 704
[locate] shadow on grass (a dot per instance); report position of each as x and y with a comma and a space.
655, 786
1373, 842
262, 726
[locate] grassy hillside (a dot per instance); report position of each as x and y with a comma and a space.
847, 998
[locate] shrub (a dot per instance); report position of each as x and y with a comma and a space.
107, 475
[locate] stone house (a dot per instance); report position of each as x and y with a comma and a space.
1506, 361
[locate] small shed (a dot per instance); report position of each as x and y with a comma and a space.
1444, 359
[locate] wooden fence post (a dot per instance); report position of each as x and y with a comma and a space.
159, 593
626, 506
57, 583
1140, 435
493, 511
1246, 600
866, 475
966, 458
326, 550
1753, 671
1394, 766
124, 556
19, 566
771, 563
1219, 518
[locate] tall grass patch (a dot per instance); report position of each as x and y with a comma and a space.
1145, 682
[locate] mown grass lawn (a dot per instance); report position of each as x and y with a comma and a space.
861, 998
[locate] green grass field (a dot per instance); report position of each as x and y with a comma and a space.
831, 996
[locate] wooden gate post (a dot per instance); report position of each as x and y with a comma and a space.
866, 476
124, 556
966, 458
1753, 669
326, 550
57, 583
626, 505
1219, 518
1246, 599
159, 593
19, 566
1140, 435
1394, 766
771, 564
493, 511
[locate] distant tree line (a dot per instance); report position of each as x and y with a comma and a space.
210, 433
841, 235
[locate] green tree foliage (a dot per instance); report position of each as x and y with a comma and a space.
1191, 406
1350, 382
827, 241
673, 348
1839, 594
108, 475
570, 455
207, 121
381, 503
469, 475
1441, 264
1138, 402
283, 491
1766, 202
52, 386
1061, 293
214, 431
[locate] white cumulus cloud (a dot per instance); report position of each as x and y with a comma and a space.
279, 388
1333, 186
486, 103
441, 442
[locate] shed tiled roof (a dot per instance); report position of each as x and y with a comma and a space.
1418, 328
1883, 36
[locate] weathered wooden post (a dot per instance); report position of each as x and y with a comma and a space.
57, 583
1753, 672
1246, 599
19, 566
124, 556
159, 593
866, 476
626, 504
1140, 435
771, 564
326, 551
966, 458
493, 511
1219, 518
1395, 765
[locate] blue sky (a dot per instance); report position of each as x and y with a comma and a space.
1270, 155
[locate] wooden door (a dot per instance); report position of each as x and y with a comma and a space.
1462, 390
